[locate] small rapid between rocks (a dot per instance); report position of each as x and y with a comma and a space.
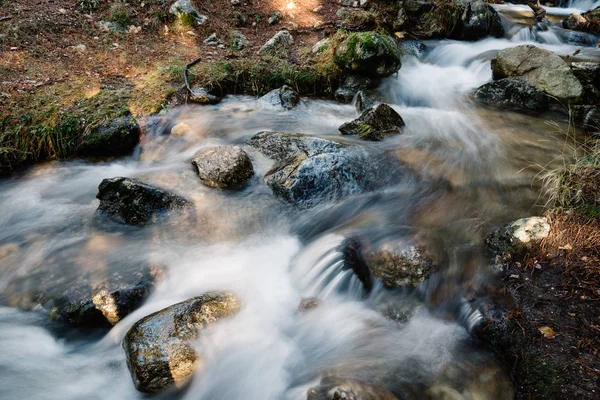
457, 170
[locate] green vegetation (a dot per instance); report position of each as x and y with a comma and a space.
120, 14
88, 5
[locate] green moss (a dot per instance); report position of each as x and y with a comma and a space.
120, 14
187, 19
539, 377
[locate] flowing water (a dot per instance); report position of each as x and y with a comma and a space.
471, 169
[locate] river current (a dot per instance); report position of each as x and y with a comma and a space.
479, 169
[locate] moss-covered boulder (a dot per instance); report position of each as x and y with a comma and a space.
224, 167
375, 123
542, 68
370, 54
158, 348
134, 202
116, 137
514, 94
455, 19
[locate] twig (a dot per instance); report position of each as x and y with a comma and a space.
2, 19
185, 73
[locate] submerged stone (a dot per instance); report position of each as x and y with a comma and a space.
352, 85
375, 123
225, 167
134, 202
338, 388
158, 347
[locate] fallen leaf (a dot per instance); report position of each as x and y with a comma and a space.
566, 247
547, 332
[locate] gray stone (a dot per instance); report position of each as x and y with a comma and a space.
518, 235
212, 40
542, 68
321, 46
184, 10
370, 54
238, 41
281, 40
399, 265
588, 73
225, 167
310, 170
274, 18
284, 97
375, 123
134, 202
201, 96
158, 347
479, 20
513, 93
588, 22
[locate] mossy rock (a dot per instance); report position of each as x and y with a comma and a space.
370, 54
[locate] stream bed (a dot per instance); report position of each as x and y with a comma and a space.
457, 171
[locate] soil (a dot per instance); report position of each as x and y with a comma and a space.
545, 317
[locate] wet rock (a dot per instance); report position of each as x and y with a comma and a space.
185, 11
370, 54
337, 388
352, 85
588, 73
375, 123
117, 137
134, 202
201, 96
365, 100
458, 19
587, 22
309, 170
224, 167
238, 41
281, 40
412, 47
308, 304
397, 266
478, 20
284, 97
157, 347
542, 68
587, 117
513, 93
81, 298
518, 235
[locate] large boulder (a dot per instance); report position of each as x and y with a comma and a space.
542, 68
588, 74
375, 123
310, 170
518, 235
158, 347
116, 137
456, 19
513, 93
225, 167
284, 97
477, 21
134, 202
587, 22
83, 291
370, 54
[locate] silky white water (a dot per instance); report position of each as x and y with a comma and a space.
272, 255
